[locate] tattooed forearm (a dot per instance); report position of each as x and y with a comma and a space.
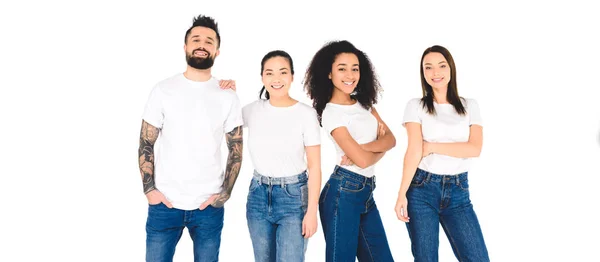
148, 136
234, 162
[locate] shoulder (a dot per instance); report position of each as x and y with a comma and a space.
415, 101
469, 102
168, 83
305, 108
332, 110
253, 105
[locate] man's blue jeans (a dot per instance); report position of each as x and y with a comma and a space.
351, 222
164, 228
435, 199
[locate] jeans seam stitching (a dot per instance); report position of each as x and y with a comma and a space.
453, 242
368, 246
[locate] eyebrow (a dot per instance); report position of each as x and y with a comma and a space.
210, 38
442, 62
283, 68
342, 64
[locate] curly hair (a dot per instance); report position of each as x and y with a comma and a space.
320, 88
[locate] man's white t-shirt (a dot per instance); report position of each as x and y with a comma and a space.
277, 136
361, 124
447, 126
193, 118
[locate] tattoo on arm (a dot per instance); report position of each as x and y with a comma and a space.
148, 136
234, 162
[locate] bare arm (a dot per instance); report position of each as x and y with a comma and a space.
383, 143
313, 156
361, 157
148, 136
413, 155
234, 163
471, 148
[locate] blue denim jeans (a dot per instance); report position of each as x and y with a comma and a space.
443, 199
351, 222
164, 228
275, 210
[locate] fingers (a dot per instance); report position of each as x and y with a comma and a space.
166, 202
308, 231
304, 229
404, 213
227, 84
346, 161
209, 201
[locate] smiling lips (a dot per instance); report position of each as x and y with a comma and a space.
437, 80
348, 83
200, 53
276, 86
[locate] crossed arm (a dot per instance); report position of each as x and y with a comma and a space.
367, 154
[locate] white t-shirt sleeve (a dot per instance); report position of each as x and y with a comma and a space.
412, 111
312, 129
474, 113
246, 113
234, 118
332, 119
153, 111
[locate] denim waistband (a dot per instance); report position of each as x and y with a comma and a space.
302, 177
338, 170
438, 178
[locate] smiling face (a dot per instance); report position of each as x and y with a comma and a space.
277, 76
201, 48
345, 72
436, 70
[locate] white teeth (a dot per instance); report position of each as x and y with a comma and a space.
276, 87
348, 83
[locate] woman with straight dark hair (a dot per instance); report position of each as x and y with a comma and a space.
444, 135
283, 196
342, 83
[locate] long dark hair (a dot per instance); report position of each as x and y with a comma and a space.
451, 94
268, 56
319, 86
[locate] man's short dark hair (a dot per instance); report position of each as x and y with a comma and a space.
204, 21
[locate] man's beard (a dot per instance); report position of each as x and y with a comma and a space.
199, 63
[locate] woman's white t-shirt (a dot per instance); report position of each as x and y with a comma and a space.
277, 136
447, 126
361, 124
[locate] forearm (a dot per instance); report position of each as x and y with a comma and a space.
314, 189
148, 136
411, 162
383, 144
459, 149
234, 163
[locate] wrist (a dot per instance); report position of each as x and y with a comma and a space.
148, 190
311, 210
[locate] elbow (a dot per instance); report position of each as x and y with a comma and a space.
362, 163
475, 150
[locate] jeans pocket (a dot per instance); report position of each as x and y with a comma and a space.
464, 184
254, 184
418, 180
294, 190
349, 185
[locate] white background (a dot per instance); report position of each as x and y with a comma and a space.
75, 76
